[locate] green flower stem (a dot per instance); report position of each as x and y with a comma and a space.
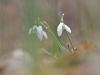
49, 53
62, 17
70, 42
55, 39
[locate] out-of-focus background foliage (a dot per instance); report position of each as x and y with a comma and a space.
82, 16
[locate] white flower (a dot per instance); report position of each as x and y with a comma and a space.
33, 30
62, 27
38, 31
41, 33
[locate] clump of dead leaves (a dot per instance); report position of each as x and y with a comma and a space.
79, 62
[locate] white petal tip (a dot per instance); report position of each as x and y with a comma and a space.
40, 37
69, 31
45, 35
60, 32
59, 35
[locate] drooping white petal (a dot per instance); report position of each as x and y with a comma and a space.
45, 35
60, 32
30, 31
67, 29
40, 32
59, 29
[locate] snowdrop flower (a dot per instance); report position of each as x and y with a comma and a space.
38, 31
62, 27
